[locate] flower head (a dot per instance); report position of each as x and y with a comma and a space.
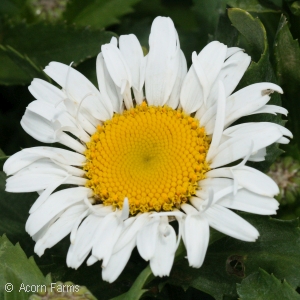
153, 144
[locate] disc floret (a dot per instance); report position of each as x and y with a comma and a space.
152, 155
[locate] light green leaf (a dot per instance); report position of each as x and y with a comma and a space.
15, 266
287, 58
18, 293
48, 42
97, 13
262, 286
229, 260
252, 6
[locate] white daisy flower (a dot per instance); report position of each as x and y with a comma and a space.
153, 144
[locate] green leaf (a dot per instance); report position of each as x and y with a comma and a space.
18, 293
252, 6
17, 269
2, 155
97, 13
14, 209
48, 42
287, 58
225, 32
252, 29
295, 8
10, 73
208, 13
262, 286
136, 291
229, 260
17, 9
260, 70
24, 63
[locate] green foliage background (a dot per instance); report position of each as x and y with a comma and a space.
32, 34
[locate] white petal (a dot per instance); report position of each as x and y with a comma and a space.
146, 239
250, 202
78, 87
19, 161
59, 229
129, 232
55, 204
83, 242
68, 141
233, 70
110, 92
259, 155
25, 183
271, 109
173, 101
207, 67
106, 237
238, 147
43, 109
224, 220
57, 154
38, 127
249, 178
216, 184
232, 50
30, 180
116, 65
117, 262
132, 52
219, 122
45, 195
162, 261
162, 62
196, 239
45, 91
119, 71
191, 95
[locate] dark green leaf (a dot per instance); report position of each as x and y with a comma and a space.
262, 286
10, 73
15, 266
252, 29
208, 13
261, 71
24, 63
226, 33
228, 260
14, 210
287, 55
17, 9
295, 8
48, 42
97, 13
136, 290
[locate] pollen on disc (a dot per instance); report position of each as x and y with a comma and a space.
154, 156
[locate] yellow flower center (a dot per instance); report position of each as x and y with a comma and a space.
154, 156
